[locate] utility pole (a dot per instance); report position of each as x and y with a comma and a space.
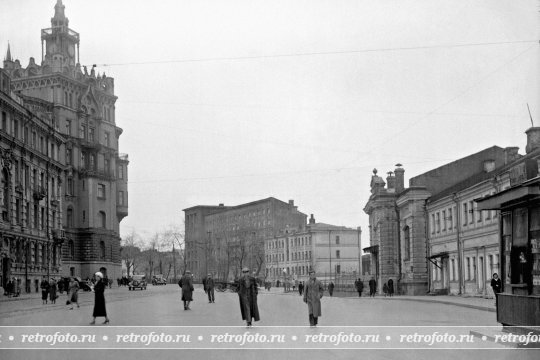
359, 229
330, 252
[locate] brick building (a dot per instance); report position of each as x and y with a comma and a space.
223, 239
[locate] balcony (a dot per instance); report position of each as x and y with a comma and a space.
59, 235
122, 210
108, 176
55, 202
39, 193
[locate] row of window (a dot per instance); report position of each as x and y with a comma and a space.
296, 256
39, 143
302, 241
444, 220
470, 268
70, 99
38, 254
102, 250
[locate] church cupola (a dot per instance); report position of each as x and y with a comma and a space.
59, 19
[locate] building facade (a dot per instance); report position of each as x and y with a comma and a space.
328, 249
93, 196
403, 241
224, 239
518, 202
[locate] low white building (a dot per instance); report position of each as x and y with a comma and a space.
328, 249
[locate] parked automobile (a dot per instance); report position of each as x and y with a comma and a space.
137, 282
159, 280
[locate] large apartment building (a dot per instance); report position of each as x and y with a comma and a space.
73, 179
224, 239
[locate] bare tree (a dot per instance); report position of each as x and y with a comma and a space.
173, 237
130, 251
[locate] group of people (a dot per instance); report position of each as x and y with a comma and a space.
12, 288
247, 289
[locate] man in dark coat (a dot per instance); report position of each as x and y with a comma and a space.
359, 284
301, 287
313, 292
209, 284
372, 286
331, 288
186, 283
247, 294
496, 284
390, 287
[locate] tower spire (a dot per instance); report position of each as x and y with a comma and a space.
59, 18
8, 54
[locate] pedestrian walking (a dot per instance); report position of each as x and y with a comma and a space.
186, 283
331, 288
99, 299
301, 288
390, 287
359, 284
44, 290
372, 287
313, 292
385, 289
210, 288
247, 294
73, 293
52, 291
8, 290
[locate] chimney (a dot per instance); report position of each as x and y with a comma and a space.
391, 181
291, 204
311, 220
533, 139
399, 178
510, 154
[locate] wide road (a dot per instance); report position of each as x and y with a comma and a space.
159, 309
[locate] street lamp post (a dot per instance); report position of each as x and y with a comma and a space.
330, 252
359, 229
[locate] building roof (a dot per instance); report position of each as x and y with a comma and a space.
237, 206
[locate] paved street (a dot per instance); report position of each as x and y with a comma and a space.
160, 306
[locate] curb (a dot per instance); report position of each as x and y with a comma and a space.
471, 306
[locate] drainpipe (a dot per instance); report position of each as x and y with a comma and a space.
398, 221
460, 258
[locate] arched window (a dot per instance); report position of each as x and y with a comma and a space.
103, 219
69, 219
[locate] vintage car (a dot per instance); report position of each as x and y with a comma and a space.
137, 282
159, 280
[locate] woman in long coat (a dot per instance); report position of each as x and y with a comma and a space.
44, 290
99, 300
52, 293
247, 294
186, 283
313, 292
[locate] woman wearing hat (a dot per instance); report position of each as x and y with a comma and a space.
99, 302
247, 293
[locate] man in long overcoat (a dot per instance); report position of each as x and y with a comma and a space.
186, 283
359, 287
313, 292
372, 286
209, 284
247, 294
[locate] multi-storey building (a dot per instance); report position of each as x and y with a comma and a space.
93, 180
224, 239
31, 174
328, 249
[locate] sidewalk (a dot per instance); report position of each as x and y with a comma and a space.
472, 302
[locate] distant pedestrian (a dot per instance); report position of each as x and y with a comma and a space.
52, 291
300, 287
247, 294
313, 292
73, 293
372, 287
385, 289
210, 288
186, 283
99, 299
390, 287
44, 290
8, 290
359, 284
496, 284
331, 288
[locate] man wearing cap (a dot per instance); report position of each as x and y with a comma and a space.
186, 283
209, 283
247, 293
313, 292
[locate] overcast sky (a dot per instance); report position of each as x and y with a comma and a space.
235, 101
